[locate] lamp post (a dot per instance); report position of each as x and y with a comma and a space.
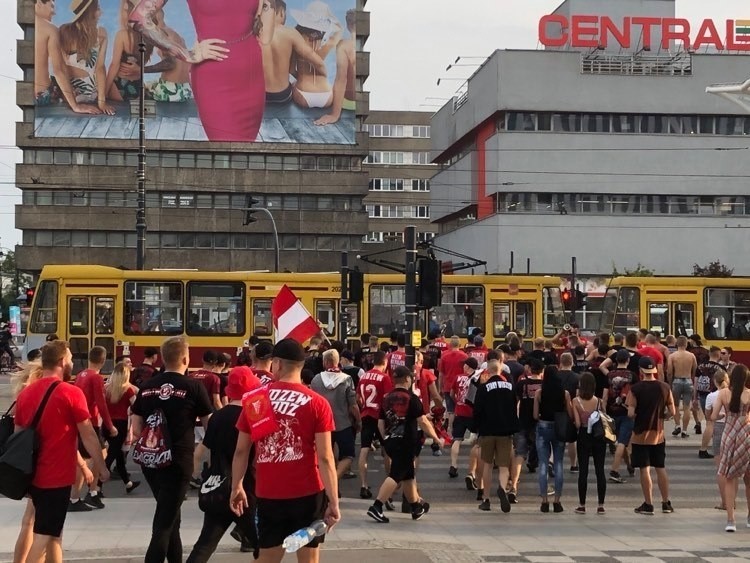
140, 214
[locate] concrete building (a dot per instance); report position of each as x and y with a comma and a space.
79, 195
400, 171
613, 154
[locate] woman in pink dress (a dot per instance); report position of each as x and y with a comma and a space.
227, 81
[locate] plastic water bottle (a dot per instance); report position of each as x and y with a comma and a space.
301, 538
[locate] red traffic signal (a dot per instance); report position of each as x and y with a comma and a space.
567, 296
30, 295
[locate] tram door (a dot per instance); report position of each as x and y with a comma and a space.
671, 317
91, 322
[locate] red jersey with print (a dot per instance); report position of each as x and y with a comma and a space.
92, 384
286, 462
652, 353
480, 354
119, 410
266, 377
210, 381
424, 378
451, 366
57, 430
396, 359
372, 387
460, 390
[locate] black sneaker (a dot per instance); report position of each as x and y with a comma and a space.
452, 472
531, 468
647, 509
504, 502
238, 535
676, 431
471, 483
389, 505
544, 507
574, 469
614, 477
485, 505
480, 494
195, 483
512, 497
703, 454
78, 506
666, 507
93, 501
377, 514
685, 435
421, 510
365, 492
698, 429
349, 475
557, 507
133, 486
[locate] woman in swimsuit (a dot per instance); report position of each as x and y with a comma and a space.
123, 77
84, 44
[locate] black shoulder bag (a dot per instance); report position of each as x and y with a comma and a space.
7, 426
19, 453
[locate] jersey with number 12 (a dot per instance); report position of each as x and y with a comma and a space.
372, 388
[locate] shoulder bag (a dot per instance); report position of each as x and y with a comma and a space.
7, 426
608, 425
19, 454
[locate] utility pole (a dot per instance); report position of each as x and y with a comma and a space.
343, 314
573, 298
140, 214
410, 291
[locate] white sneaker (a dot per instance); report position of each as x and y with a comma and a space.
731, 527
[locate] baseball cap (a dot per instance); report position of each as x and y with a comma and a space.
241, 380
471, 362
289, 349
622, 356
263, 350
646, 365
348, 355
695, 338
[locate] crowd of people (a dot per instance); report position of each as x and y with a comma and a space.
281, 426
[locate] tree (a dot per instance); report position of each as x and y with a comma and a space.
713, 270
640, 271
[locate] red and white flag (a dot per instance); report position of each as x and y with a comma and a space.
290, 318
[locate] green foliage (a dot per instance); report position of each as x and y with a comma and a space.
640, 271
713, 270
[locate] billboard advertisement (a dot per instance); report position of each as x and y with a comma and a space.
280, 71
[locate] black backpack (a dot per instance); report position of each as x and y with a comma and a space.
153, 449
19, 453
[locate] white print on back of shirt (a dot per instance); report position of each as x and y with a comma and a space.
281, 446
287, 401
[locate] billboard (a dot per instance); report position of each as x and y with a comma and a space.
280, 71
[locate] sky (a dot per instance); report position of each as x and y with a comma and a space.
411, 44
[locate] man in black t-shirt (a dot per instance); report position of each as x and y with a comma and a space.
181, 400
400, 415
524, 441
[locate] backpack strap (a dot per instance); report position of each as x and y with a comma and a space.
43, 404
10, 408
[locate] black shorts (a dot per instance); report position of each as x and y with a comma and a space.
402, 459
344, 439
50, 509
460, 425
420, 443
277, 518
370, 432
649, 456
82, 449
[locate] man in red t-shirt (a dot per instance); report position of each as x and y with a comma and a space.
397, 357
373, 386
464, 412
262, 355
651, 350
65, 416
209, 379
479, 351
451, 365
295, 471
91, 382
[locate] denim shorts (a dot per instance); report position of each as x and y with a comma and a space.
682, 389
624, 429
523, 441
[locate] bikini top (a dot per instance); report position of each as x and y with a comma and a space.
87, 63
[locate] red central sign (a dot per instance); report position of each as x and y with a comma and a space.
581, 31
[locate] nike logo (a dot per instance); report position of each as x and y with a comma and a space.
212, 483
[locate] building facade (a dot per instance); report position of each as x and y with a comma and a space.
615, 155
79, 194
400, 169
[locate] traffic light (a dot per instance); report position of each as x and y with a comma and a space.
250, 201
356, 283
29, 296
429, 293
580, 299
567, 298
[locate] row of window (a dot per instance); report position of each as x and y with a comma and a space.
398, 185
190, 200
236, 161
398, 211
237, 241
626, 123
393, 236
621, 204
398, 157
398, 131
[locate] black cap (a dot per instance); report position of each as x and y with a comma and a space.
348, 355
471, 362
646, 365
289, 349
263, 350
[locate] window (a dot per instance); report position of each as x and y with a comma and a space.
98, 199
186, 200
273, 162
262, 319
291, 163
221, 201
78, 316
255, 242
169, 240
44, 157
289, 242
44, 315
627, 313
203, 240
221, 161
325, 314
325, 163
221, 240
44, 238
727, 314
501, 322
187, 240
98, 239
204, 201
342, 163
79, 239
461, 311
62, 157
169, 200
104, 315
386, 309
203, 161
115, 199
256, 162
116, 240
307, 163
239, 161
99, 158
115, 158
216, 308
239, 242
61, 197
186, 160
325, 243
153, 307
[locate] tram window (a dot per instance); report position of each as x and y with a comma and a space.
500, 319
44, 317
553, 314
524, 326
727, 314
262, 320
153, 307
78, 316
352, 310
658, 317
325, 314
216, 308
386, 309
462, 310
684, 319
104, 315
627, 316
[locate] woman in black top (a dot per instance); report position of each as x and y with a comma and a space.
548, 401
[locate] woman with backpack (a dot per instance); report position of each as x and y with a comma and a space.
585, 412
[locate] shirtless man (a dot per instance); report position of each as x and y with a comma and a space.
344, 93
277, 58
52, 89
681, 369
